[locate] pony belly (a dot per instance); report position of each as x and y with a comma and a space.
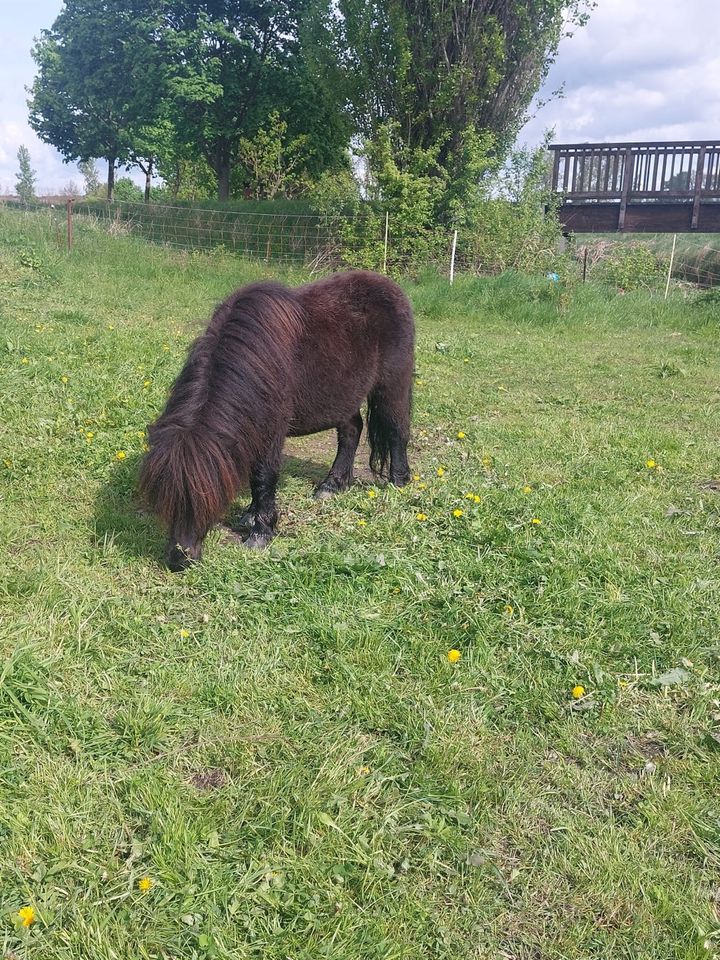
304, 429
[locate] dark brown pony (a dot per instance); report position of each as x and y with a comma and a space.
277, 362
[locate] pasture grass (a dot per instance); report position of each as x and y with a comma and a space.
276, 743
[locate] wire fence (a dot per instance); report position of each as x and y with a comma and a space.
291, 238
652, 261
318, 243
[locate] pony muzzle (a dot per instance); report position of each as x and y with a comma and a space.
180, 556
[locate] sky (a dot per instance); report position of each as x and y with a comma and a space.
640, 70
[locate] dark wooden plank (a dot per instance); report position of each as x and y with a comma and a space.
555, 171
639, 217
627, 181
698, 189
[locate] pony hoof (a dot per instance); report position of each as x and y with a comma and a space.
330, 488
245, 523
258, 541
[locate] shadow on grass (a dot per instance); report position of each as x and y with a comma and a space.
122, 520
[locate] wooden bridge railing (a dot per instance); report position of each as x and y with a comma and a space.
631, 173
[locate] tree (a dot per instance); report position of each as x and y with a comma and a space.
272, 161
438, 67
89, 173
100, 78
26, 177
230, 58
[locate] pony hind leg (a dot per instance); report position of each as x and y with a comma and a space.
389, 431
340, 476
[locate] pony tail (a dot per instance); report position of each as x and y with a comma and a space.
380, 431
189, 479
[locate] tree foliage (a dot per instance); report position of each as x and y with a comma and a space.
26, 176
101, 79
268, 95
90, 176
438, 67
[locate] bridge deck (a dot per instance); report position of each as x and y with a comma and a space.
638, 187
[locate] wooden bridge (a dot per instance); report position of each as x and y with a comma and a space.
638, 187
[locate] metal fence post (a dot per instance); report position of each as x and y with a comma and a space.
387, 225
70, 202
670, 266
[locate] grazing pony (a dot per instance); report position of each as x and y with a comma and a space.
277, 362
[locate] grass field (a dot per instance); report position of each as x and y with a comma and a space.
272, 756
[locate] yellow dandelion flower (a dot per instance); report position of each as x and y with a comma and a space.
63, 379
145, 884
509, 609
140, 433
651, 464
364, 771
24, 360
527, 489
578, 692
466, 359
120, 455
110, 327
461, 434
441, 471
165, 347
371, 494
453, 656
469, 496
146, 383
184, 633
487, 461
458, 513
27, 915
421, 516
477, 499
422, 486
362, 523
622, 684
536, 521
89, 434
416, 477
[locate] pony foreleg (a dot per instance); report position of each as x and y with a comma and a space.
259, 521
341, 472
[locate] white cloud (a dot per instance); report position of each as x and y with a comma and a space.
638, 71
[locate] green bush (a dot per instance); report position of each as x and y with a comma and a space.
505, 217
633, 265
505, 214
127, 191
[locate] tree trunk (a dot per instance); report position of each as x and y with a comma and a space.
223, 177
148, 180
111, 179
